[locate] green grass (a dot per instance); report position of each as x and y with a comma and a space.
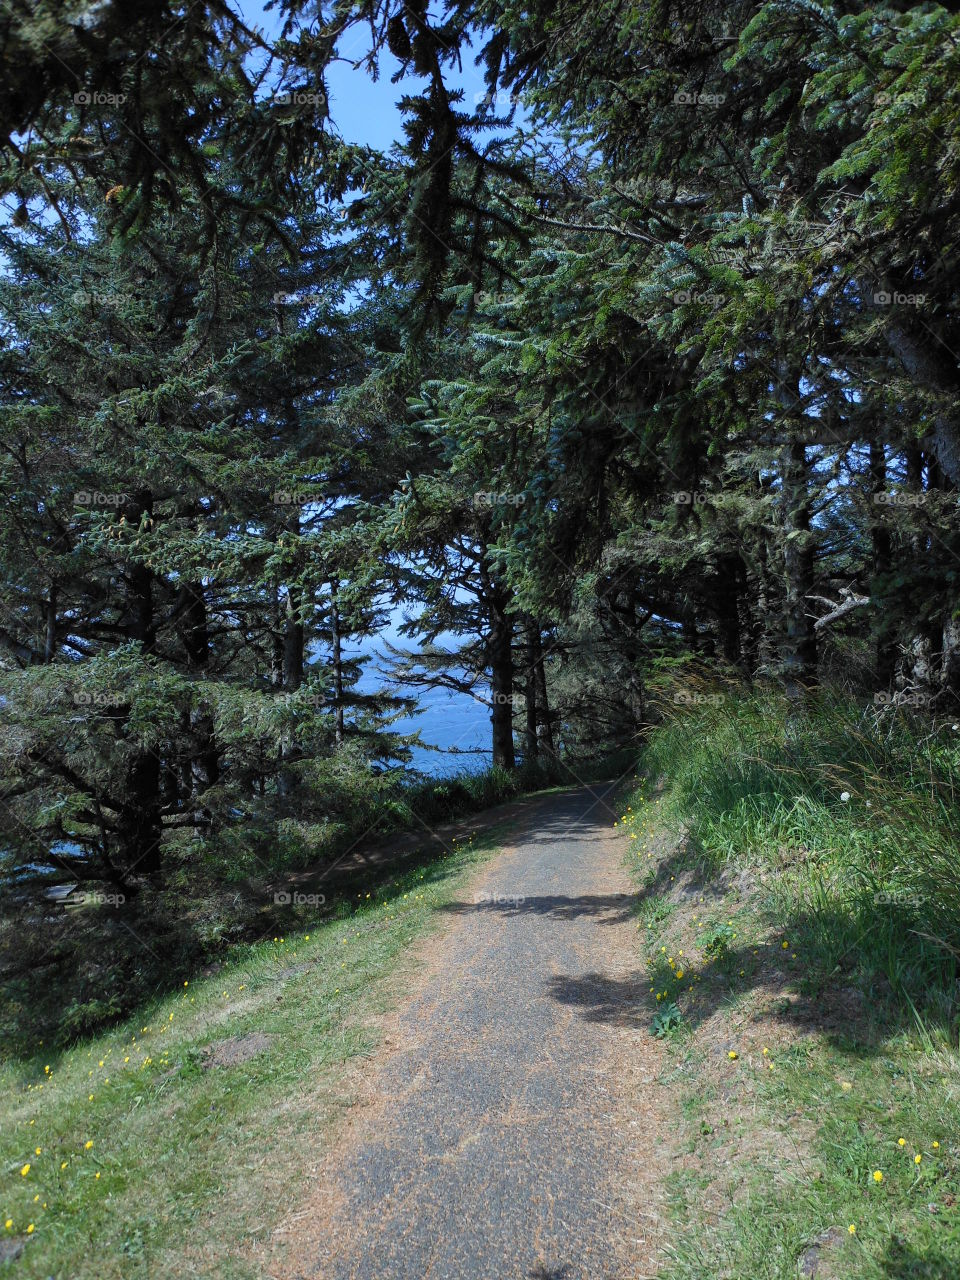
749, 841
197, 1163
856, 814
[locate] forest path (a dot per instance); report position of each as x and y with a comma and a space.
511, 1130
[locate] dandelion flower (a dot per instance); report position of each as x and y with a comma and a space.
24, 1171
30, 1229
63, 1164
88, 1144
852, 1229
901, 1142
732, 1055
877, 1176
917, 1158
936, 1146
9, 1223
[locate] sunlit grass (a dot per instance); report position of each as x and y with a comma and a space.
817, 922
151, 1159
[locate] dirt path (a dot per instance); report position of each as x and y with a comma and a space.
511, 1127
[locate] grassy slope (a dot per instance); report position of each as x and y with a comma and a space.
782, 921
195, 1162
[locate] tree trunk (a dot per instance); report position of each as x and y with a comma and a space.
204, 768
292, 643
531, 745
916, 672
924, 360
292, 677
799, 653
500, 647
50, 636
139, 823
337, 660
544, 717
727, 606
881, 544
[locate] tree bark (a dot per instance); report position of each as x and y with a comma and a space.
139, 823
337, 661
727, 606
50, 637
933, 373
544, 715
799, 648
292, 678
500, 648
204, 768
882, 548
531, 744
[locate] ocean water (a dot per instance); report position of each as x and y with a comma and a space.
454, 727
456, 723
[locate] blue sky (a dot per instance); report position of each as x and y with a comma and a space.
364, 110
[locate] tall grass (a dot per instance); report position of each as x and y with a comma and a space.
854, 808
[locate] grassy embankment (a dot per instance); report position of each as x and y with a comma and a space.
169, 1144
799, 915
69, 973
